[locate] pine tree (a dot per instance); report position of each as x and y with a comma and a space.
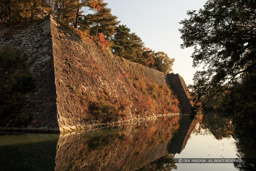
126, 44
102, 21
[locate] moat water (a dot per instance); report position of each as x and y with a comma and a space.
205, 142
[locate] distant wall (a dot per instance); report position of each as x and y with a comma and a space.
179, 86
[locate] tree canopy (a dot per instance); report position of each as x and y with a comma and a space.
102, 21
223, 36
131, 47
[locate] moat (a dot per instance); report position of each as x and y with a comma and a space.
179, 142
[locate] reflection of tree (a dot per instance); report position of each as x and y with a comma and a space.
220, 126
241, 127
245, 141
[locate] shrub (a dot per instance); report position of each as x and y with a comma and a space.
103, 111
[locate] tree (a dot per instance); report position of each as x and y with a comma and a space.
163, 62
102, 21
126, 44
12, 11
223, 36
130, 46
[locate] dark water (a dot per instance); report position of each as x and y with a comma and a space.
166, 144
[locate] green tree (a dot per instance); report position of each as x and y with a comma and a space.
126, 44
131, 47
223, 36
101, 21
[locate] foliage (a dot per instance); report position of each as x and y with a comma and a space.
125, 44
15, 84
223, 37
102, 40
245, 92
131, 47
219, 125
103, 111
102, 21
13, 11
151, 94
163, 62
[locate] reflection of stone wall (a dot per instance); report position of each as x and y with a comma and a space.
119, 149
180, 88
179, 141
35, 43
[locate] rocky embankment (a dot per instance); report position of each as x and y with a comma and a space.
79, 82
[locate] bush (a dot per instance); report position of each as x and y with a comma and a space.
103, 111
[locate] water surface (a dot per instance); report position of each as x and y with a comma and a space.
155, 145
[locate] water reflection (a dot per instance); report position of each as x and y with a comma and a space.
244, 134
119, 149
28, 152
241, 128
151, 146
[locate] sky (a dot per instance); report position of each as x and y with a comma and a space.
156, 22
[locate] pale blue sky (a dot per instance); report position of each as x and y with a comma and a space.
156, 22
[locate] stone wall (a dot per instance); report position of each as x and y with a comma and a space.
179, 86
70, 71
82, 67
35, 43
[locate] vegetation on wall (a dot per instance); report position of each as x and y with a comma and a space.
15, 84
103, 107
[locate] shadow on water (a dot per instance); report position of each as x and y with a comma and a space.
28, 152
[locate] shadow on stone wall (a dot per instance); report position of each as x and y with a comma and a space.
179, 86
